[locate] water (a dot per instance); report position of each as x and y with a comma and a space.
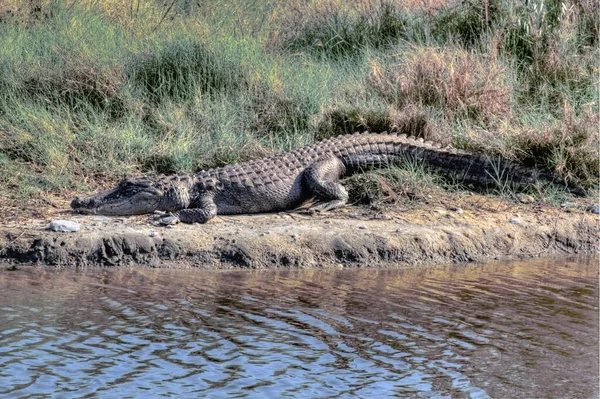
507, 330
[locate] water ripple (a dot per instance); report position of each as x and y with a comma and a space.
499, 330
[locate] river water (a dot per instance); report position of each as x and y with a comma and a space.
500, 330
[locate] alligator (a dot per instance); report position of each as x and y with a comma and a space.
288, 180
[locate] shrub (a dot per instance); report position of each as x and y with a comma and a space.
348, 121
274, 113
336, 32
179, 68
78, 85
410, 121
466, 22
588, 22
459, 83
567, 146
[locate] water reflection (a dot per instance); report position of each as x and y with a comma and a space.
500, 330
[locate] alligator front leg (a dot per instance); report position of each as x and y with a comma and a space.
202, 212
322, 178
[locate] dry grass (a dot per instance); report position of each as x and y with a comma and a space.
94, 89
475, 86
567, 146
336, 29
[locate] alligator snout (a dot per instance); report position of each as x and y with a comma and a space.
82, 203
76, 203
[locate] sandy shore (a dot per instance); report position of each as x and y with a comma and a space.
453, 229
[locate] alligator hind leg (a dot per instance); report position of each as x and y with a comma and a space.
322, 179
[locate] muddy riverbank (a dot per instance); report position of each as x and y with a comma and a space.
464, 228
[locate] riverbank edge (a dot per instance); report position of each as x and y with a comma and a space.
431, 234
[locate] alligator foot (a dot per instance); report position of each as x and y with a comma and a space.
165, 219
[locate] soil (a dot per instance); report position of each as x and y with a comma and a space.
453, 228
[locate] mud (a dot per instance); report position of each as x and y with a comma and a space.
459, 229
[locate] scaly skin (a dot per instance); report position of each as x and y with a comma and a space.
286, 181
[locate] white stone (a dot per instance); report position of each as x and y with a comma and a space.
64, 225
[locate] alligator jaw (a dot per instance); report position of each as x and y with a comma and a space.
130, 197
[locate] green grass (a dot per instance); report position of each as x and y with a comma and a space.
96, 90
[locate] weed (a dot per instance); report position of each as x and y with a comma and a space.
408, 179
275, 114
466, 22
456, 82
180, 68
335, 32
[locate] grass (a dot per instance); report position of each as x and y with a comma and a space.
408, 183
96, 90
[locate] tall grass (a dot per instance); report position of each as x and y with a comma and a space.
95, 90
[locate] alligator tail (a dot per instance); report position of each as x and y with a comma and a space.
368, 150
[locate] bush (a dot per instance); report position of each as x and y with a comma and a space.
275, 114
410, 121
567, 146
466, 22
179, 68
335, 32
348, 121
459, 83
78, 85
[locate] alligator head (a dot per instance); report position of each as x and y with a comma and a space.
130, 197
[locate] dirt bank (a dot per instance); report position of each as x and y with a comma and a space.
456, 229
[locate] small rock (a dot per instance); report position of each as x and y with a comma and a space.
264, 233
382, 217
515, 221
327, 221
354, 216
594, 209
568, 205
455, 209
153, 234
362, 227
526, 199
440, 211
64, 225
